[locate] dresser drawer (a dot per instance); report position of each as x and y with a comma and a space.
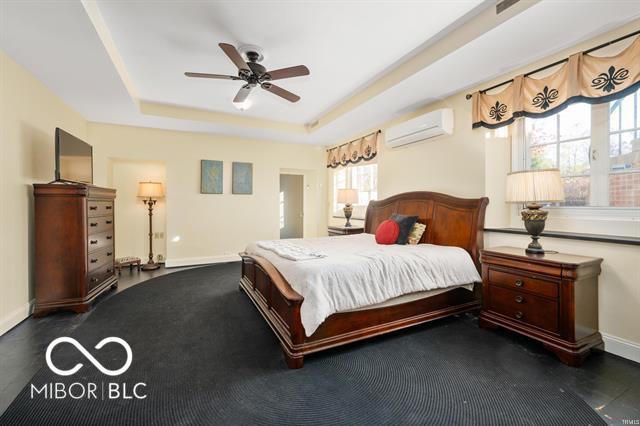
524, 307
99, 241
97, 225
100, 258
516, 281
100, 275
99, 208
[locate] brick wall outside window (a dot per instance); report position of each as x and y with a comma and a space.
624, 189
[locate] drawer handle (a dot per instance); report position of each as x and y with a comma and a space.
93, 207
109, 253
93, 224
93, 242
519, 283
109, 270
519, 315
109, 237
94, 260
519, 299
109, 222
94, 280
109, 207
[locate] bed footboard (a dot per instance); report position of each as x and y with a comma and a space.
280, 306
278, 303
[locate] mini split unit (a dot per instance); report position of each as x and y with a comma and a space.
427, 126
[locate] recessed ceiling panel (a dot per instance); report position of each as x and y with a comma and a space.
344, 44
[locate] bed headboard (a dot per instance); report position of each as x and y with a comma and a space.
450, 221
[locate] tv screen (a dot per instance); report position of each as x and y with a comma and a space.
74, 158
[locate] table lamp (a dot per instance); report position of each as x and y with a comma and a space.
347, 197
150, 192
531, 187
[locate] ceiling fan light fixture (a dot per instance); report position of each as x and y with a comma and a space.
244, 105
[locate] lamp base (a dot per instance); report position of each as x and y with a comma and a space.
348, 211
534, 220
534, 246
150, 266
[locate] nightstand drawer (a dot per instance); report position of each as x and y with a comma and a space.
520, 282
524, 307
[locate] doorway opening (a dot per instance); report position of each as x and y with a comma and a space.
291, 206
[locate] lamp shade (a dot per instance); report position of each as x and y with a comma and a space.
150, 190
347, 196
531, 186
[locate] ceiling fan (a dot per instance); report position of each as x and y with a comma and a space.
254, 74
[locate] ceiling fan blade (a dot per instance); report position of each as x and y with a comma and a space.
297, 71
277, 90
216, 76
234, 55
242, 94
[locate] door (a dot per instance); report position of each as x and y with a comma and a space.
291, 206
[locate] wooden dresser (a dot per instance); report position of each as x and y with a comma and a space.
74, 242
552, 298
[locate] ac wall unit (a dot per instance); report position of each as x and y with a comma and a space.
427, 126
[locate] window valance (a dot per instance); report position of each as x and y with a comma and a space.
362, 149
582, 78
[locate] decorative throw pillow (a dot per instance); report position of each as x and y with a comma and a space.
387, 232
416, 233
406, 224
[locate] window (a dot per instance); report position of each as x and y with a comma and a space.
563, 141
364, 178
576, 141
624, 151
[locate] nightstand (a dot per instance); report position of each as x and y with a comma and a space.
343, 230
552, 298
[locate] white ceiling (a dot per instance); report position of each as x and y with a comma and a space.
344, 45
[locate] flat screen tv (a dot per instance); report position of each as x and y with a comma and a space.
74, 158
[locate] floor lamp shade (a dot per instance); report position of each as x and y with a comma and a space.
153, 190
150, 192
531, 187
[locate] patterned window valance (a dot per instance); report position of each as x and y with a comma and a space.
582, 78
355, 151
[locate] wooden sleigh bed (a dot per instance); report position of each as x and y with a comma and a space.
450, 221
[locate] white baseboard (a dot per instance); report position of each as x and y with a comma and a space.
16, 317
192, 261
621, 347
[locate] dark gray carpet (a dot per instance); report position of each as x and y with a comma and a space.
208, 358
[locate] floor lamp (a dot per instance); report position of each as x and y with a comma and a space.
150, 192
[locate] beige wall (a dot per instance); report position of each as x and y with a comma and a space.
29, 114
203, 228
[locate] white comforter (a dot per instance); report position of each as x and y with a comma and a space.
358, 272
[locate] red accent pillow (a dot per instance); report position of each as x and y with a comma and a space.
387, 232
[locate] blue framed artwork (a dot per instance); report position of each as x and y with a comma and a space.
210, 177
242, 178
